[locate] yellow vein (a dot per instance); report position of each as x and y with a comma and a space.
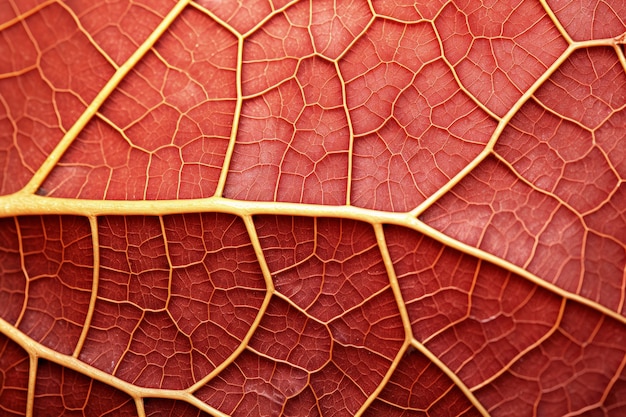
394, 365
453, 376
21, 17
141, 411
404, 315
32, 383
235, 127
168, 256
504, 121
344, 99
556, 22
54, 157
620, 52
257, 320
20, 245
393, 280
95, 242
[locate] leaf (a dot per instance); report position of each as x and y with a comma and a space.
312, 208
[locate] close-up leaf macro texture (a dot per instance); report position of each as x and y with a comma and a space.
312, 208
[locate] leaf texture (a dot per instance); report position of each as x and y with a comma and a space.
312, 208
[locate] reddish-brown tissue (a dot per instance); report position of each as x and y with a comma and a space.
312, 208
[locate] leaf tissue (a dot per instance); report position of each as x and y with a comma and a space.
312, 208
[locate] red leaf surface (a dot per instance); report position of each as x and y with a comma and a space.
312, 208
